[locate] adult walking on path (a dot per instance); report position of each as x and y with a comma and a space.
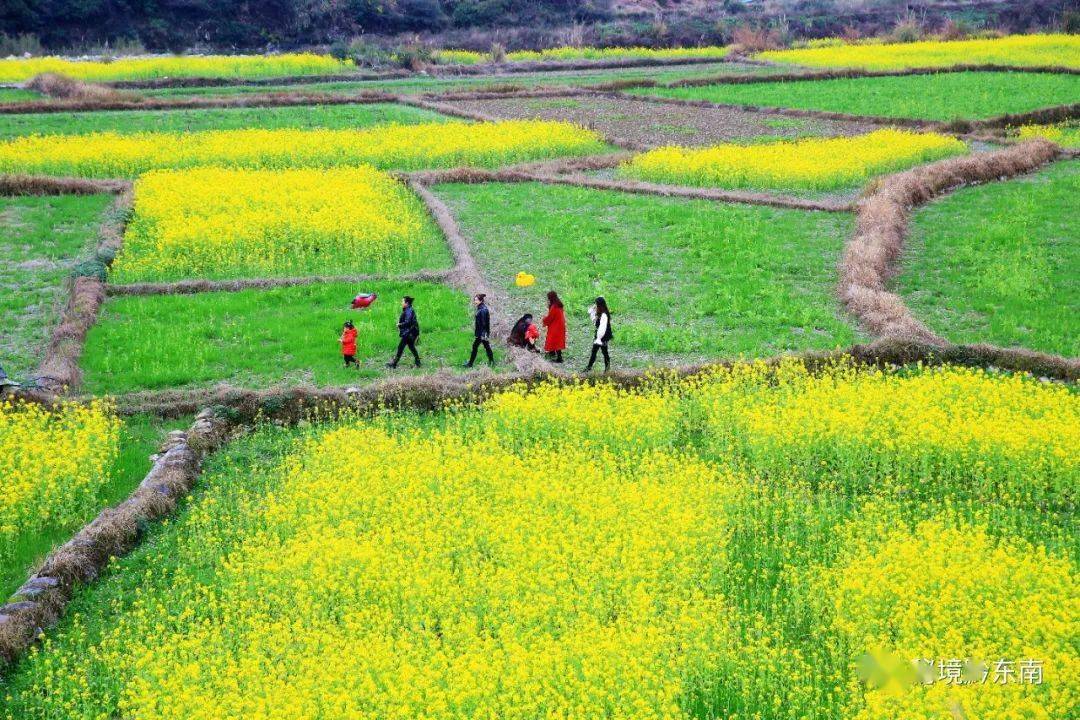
408, 332
555, 322
602, 319
481, 331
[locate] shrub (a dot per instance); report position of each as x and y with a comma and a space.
906, 30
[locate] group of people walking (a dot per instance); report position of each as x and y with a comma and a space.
523, 334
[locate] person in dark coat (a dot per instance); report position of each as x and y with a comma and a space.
555, 322
602, 319
524, 333
408, 332
481, 331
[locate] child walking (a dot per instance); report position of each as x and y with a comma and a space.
348, 344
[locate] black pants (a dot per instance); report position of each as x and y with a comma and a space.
351, 360
407, 342
592, 358
476, 346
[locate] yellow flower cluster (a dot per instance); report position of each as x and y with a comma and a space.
1065, 134
471, 57
936, 433
53, 465
213, 222
592, 53
404, 147
404, 577
572, 550
941, 591
461, 57
148, 68
811, 164
1026, 50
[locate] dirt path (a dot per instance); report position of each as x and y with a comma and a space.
467, 277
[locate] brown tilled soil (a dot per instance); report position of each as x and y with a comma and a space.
640, 124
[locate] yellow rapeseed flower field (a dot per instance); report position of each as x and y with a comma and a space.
403, 147
1066, 135
947, 431
471, 57
213, 222
937, 591
574, 551
592, 53
148, 68
53, 465
1025, 50
461, 57
810, 164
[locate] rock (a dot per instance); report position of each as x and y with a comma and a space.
17, 607
36, 586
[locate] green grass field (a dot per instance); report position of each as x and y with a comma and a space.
14, 95
946, 96
685, 280
140, 437
41, 239
998, 263
256, 338
479, 82
133, 121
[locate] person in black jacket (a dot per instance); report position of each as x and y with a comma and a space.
481, 331
601, 317
408, 332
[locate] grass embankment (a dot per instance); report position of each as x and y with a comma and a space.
685, 279
43, 239
579, 552
60, 472
138, 121
255, 338
998, 263
946, 96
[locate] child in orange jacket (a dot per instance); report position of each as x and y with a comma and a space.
348, 344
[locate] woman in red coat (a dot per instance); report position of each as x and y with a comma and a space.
555, 322
348, 344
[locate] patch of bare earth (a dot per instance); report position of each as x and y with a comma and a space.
639, 124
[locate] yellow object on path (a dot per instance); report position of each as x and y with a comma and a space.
524, 279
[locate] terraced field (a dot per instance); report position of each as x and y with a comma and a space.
807, 447
943, 96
